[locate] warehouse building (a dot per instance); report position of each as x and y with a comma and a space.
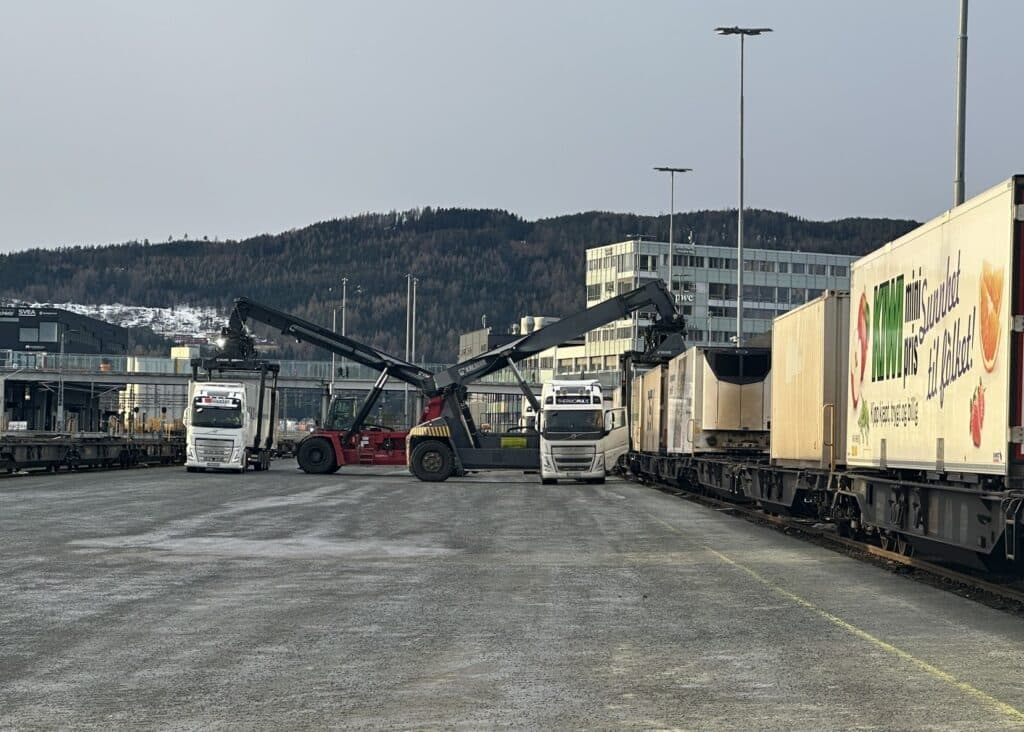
42, 329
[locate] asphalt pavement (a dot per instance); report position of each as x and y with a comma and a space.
157, 598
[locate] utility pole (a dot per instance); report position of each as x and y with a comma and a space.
672, 214
961, 107
742, 33
408, 336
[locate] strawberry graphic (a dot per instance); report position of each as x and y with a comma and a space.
977, 413
859, 357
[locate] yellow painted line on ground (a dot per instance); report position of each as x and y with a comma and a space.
934, 671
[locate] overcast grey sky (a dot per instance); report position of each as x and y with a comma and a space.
128, 119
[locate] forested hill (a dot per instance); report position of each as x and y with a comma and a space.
469, 263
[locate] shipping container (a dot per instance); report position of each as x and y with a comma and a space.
809, 382
718, 400
934, 383
652, 408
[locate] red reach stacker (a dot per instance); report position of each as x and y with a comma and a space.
344, 438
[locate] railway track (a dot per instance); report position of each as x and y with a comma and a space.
1003, 594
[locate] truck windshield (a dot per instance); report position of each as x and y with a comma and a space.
573, 424
230, 417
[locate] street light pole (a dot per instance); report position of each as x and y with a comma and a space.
672, 213
60, 385
408, 335
742, 33
344, 298
60, 381
412, 336
961, 106
334, 327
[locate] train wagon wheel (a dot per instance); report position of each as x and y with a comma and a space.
903, 546
316, 455
432, 461
7, 465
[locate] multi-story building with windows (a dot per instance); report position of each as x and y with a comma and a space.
704, 282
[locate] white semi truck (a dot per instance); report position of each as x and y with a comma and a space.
230, 425
580, 439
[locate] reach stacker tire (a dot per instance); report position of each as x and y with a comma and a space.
432, 461
316, 455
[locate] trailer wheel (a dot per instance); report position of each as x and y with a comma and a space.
316, 455
432, 461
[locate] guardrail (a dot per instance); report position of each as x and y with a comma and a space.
74, 363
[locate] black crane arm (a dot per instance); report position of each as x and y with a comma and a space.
654, 293
328, 340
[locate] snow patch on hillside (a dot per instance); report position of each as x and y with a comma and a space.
179, 322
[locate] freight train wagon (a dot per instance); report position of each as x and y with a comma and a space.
699, 414
897, 409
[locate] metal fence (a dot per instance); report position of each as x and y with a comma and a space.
74, 363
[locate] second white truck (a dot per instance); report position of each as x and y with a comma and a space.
580, 439
230, 425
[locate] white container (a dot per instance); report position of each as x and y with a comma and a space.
930, 363
718, 400
652, 411
810, 368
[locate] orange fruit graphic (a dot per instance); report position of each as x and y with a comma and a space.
990, 300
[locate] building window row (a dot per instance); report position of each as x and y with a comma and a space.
764, 293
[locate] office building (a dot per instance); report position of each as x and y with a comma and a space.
704, 283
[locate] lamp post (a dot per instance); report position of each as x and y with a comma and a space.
408, 333
961, 106
334, 325
742, 33
412, 332
672, 213
60, 381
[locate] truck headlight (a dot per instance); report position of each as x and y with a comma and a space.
235, 454
547, 462
192, 453
599, 461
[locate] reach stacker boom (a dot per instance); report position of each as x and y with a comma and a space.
344, 438
451, 443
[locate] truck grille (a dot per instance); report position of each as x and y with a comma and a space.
573, 459
213, 451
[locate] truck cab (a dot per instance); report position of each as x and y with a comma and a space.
580, 438
223, 421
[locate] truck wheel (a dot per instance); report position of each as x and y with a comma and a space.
549, 481
316, 455
432, 461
